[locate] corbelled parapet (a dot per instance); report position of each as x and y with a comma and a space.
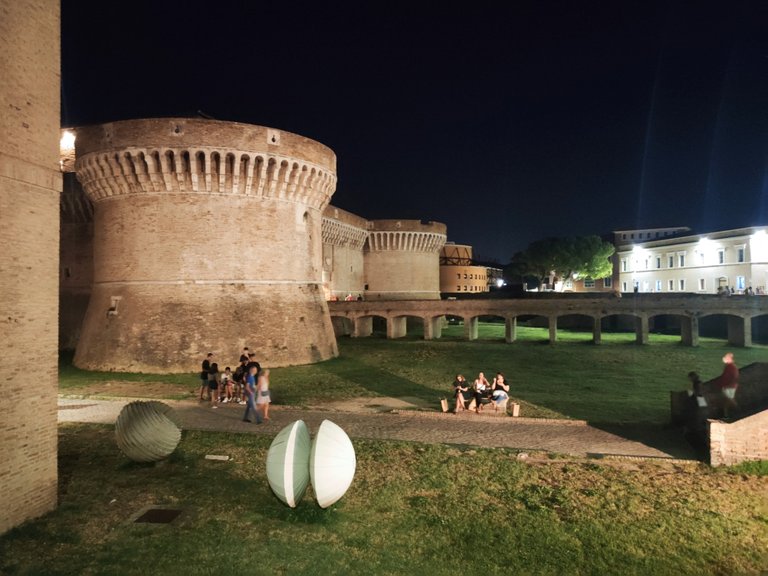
402, 259
204, 157
344, 235
207, 237
342, 228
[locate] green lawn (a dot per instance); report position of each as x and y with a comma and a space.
417, 509
616, 382
411, 509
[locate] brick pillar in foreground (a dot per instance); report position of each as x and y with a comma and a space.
30, 183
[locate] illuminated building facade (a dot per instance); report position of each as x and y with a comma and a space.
702, 263
458, 274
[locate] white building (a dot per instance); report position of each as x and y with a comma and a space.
703, 263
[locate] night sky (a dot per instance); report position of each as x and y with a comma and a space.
508, 122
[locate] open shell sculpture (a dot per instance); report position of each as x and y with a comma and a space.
328, 462
288, 463
332, 464
147, 431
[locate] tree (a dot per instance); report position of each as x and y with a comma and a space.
565, 258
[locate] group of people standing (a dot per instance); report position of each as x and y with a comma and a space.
249, 384
481, 390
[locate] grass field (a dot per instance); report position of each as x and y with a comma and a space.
412, 509
616, 382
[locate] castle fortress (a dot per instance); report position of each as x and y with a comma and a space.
201, 235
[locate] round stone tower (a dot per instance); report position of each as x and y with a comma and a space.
207, 237
402, 260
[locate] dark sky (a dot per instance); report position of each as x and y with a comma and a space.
507, 121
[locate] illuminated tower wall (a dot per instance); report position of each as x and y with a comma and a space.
207, 237
30, 183
402, 259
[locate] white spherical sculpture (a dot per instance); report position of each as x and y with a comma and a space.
147, 431
331, 463
288, 463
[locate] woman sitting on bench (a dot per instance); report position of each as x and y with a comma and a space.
461, 393
482, 391
500, 390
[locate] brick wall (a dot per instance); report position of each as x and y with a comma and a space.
30, 183
745, 439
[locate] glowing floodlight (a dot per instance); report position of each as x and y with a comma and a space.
288, 463
147, 431
67, 141
332, 463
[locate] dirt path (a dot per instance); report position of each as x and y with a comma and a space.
395, 419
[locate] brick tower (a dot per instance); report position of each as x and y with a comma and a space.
402, 259
207, 237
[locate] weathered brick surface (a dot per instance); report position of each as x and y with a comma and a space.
207, 237
75, 262
29, 235
402, 260
745, 439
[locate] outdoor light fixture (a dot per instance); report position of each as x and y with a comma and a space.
67, 141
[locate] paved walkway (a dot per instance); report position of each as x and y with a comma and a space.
560, 436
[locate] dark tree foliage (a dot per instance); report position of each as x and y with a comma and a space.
564, 259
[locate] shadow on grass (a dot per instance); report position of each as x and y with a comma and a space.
666, 438
380, 382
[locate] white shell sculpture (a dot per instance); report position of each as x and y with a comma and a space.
331, 464
288, 463
147, 431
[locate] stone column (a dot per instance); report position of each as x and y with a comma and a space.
363, 327
433, 327
397, 327
510, 329
690, 331
552, 321
30, 186
641, 330
597, 330
470, 328
739, 331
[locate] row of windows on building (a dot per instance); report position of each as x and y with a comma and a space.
680, 285
466, 288
680, 258
648, 235
590, 283
471, 276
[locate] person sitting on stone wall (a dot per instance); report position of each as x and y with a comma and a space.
461, 393
499, 390
225, 391
482, 390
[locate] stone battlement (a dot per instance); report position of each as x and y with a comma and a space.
203, 157
406, 235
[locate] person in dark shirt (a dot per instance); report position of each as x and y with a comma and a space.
461, 393
206, 368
